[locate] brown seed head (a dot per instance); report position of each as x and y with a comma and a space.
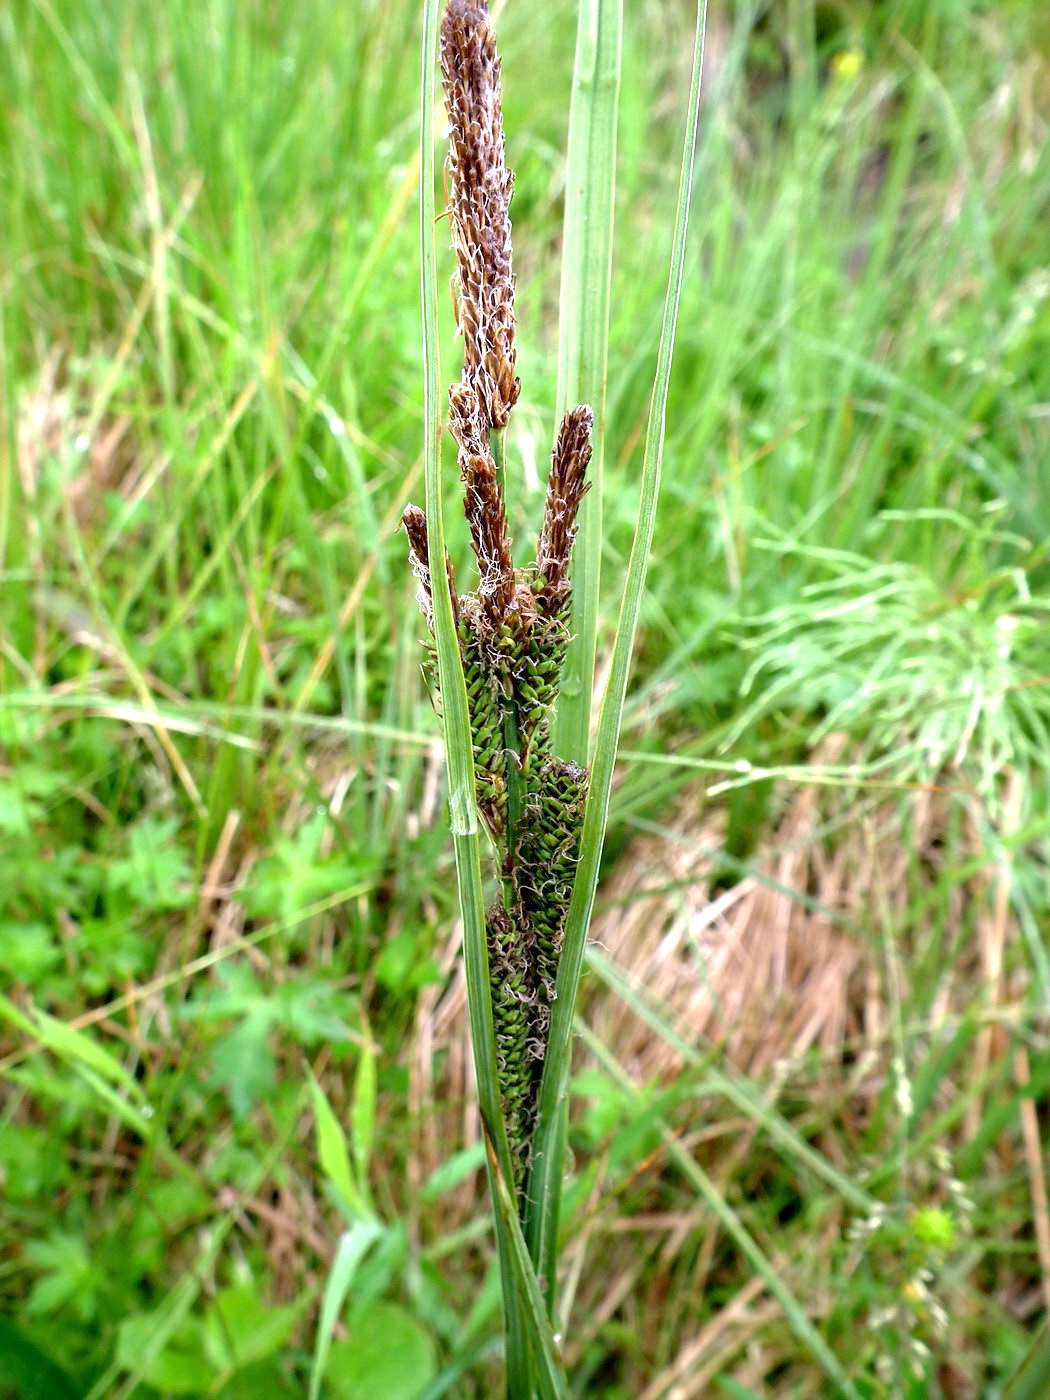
566, 486
480, 188
483, 503
415, 522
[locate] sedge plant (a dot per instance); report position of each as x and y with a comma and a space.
498, 653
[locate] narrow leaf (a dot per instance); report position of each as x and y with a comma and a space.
71, 1045
333, 1153
550, 1375
736, 1089
583, 346
1031, 1381
363, 1110
354, 1244
741, 1237
545, 1176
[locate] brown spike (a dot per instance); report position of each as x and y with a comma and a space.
483, 503
415, 525
480, 187
414, 521
566, 486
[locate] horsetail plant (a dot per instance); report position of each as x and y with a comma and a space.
498, 652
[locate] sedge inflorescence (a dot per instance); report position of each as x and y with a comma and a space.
513, 629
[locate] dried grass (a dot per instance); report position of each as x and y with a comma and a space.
791, 972
793, 958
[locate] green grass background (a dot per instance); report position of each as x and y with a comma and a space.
226, 874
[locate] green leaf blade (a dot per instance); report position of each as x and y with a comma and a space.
545, 1175
354, 1244
550, 1375
583, 347
333, 1153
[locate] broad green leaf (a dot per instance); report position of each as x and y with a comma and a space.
27, 951
29, 1164
180, 1368
313, 1012
393, 967
240, 1329
263, 1380
243, 1062
152, 1336
18, 811
298, 873
388, 1356
69, 1276
156, 874
399, 966
353, 1245
453, 1170
26, 1373
171, 1316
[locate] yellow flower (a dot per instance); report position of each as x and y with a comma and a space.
846, 65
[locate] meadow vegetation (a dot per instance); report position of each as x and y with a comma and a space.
239, 1148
